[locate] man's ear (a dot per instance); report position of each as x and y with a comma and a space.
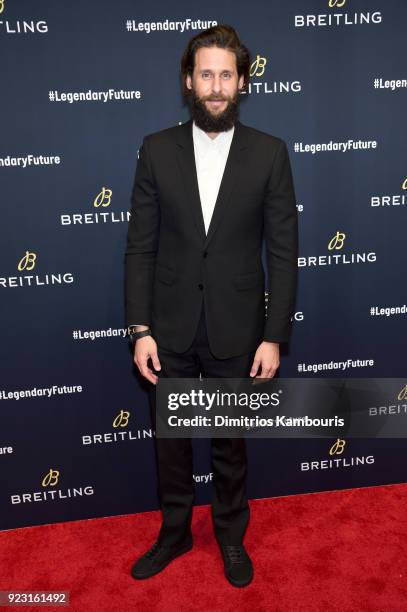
240, 82
188, 81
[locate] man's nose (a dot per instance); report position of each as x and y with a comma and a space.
216, 85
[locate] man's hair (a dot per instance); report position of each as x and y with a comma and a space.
222, 36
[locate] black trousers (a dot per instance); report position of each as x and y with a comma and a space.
230, 509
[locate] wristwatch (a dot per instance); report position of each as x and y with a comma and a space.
135, 335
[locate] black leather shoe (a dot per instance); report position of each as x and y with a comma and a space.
156, 559
237, 564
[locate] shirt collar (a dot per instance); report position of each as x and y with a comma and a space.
220, 141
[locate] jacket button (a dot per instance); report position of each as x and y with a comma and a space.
205, 253
200, 286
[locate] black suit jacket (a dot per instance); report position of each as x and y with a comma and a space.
171, 264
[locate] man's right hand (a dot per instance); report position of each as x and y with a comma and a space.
145, 348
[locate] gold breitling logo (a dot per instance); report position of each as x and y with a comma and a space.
404, 184
403, 394
28, 261
338, 447
1, 6
103, 198
50, 479
257, 67
336, 3
122, 419
337, 241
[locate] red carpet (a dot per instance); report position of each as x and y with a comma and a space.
337, 551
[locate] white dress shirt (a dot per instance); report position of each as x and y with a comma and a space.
210, 160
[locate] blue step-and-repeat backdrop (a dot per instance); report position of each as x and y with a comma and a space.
81, 85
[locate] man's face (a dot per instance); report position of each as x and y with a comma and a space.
214, 89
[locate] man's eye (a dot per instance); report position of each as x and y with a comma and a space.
205, 75
227, 75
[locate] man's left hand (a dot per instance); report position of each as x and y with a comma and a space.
268, 357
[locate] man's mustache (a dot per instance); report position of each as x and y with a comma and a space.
216, 99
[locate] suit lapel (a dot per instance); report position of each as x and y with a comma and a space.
233, 169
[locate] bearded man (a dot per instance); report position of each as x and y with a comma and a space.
206, 193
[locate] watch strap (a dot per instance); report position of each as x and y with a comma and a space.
136, 335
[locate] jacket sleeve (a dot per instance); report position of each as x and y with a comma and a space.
142, 241
281, 236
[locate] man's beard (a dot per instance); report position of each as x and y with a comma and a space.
209, 122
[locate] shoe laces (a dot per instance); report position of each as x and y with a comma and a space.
154, 550
234, 553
